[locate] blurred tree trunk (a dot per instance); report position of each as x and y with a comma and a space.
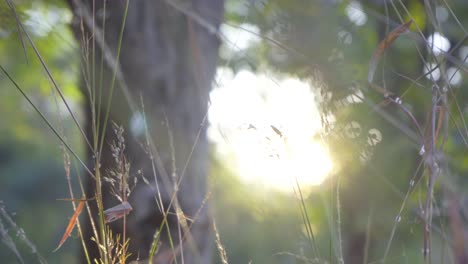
168, 61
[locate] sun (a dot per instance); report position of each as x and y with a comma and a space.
267, 130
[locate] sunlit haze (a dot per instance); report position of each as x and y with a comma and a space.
266, 130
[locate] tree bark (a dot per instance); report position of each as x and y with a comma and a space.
167, 62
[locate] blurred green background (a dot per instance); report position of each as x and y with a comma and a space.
328, 43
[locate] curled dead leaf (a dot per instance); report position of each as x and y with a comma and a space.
384, 44
117, 212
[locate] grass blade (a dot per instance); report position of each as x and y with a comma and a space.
8, 241
45, 120
18, 28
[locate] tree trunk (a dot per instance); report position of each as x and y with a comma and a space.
167, 62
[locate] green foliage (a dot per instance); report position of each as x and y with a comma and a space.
31, 157
306, 37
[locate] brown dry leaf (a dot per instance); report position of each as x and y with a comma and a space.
384, 44
71, 224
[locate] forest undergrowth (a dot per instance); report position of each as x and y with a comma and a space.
424, 109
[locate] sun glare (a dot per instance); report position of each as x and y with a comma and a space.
266, 129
